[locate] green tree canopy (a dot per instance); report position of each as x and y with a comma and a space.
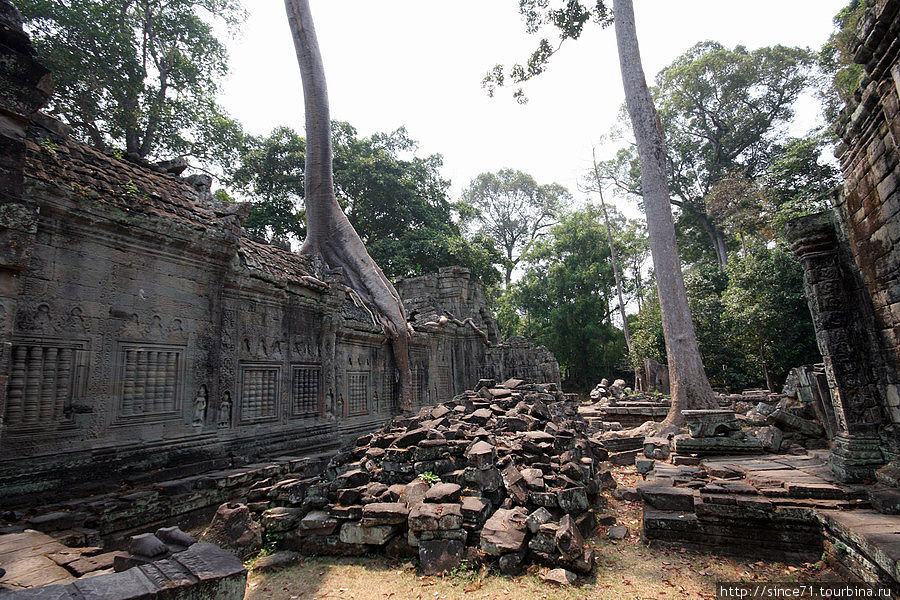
510, 207
139, 76
725, 113
396, 200
842, 75
767, 313
564, 299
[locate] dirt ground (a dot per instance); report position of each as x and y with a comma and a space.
626, 570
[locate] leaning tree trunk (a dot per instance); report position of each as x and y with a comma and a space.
690, 386
329, 232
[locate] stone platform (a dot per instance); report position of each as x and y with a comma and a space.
772, 507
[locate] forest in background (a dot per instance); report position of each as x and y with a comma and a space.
139, 78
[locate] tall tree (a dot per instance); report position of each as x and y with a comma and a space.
724, 112
139, 76
689, 384
511, 208
329, 232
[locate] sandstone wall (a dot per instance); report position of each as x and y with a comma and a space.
851, 260
143, 337
870, 204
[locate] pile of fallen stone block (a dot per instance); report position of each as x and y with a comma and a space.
504, 474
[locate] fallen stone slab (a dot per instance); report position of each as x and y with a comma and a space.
504, 531
886, 501
384, 513
560, 577
432, 517
276, 561
667, 498
685, 444
440, 556
357, 533
444, 493
625, 458
792, 422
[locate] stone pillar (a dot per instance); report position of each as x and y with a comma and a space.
838, 312
25, 86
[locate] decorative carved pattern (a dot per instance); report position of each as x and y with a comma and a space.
42, 384
259, 392
150, 380
358, 392
306, 390
444, 383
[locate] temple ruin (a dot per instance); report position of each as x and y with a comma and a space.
157, 364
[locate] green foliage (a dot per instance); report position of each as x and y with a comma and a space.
138, 75
767, 314
396, 200
564, 299
797, 182
842, 75
647, 337
566, 19
752, 320
724, 112
430, 478
725, 365
512, 208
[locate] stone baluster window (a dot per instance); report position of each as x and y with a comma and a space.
306, 390
259, 392
41, 385
150, 380
358, 392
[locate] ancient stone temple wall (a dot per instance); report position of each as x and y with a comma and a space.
852, 260
143, 337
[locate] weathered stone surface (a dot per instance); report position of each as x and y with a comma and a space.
414, 492
440, 556
474, 510
384, 513
573, 500
560, 577
569, 541
504, 531
619, 532
318, 522
539, 517
280, 519
147, 544
233, 528
444, 492
667, 498
357, 533
482, 455
886, 501
431, 517
276, 561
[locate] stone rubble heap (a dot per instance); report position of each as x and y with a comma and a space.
504, 474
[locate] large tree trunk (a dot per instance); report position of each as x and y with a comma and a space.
690, 387
329, 232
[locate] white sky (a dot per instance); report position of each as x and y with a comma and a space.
419, 63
